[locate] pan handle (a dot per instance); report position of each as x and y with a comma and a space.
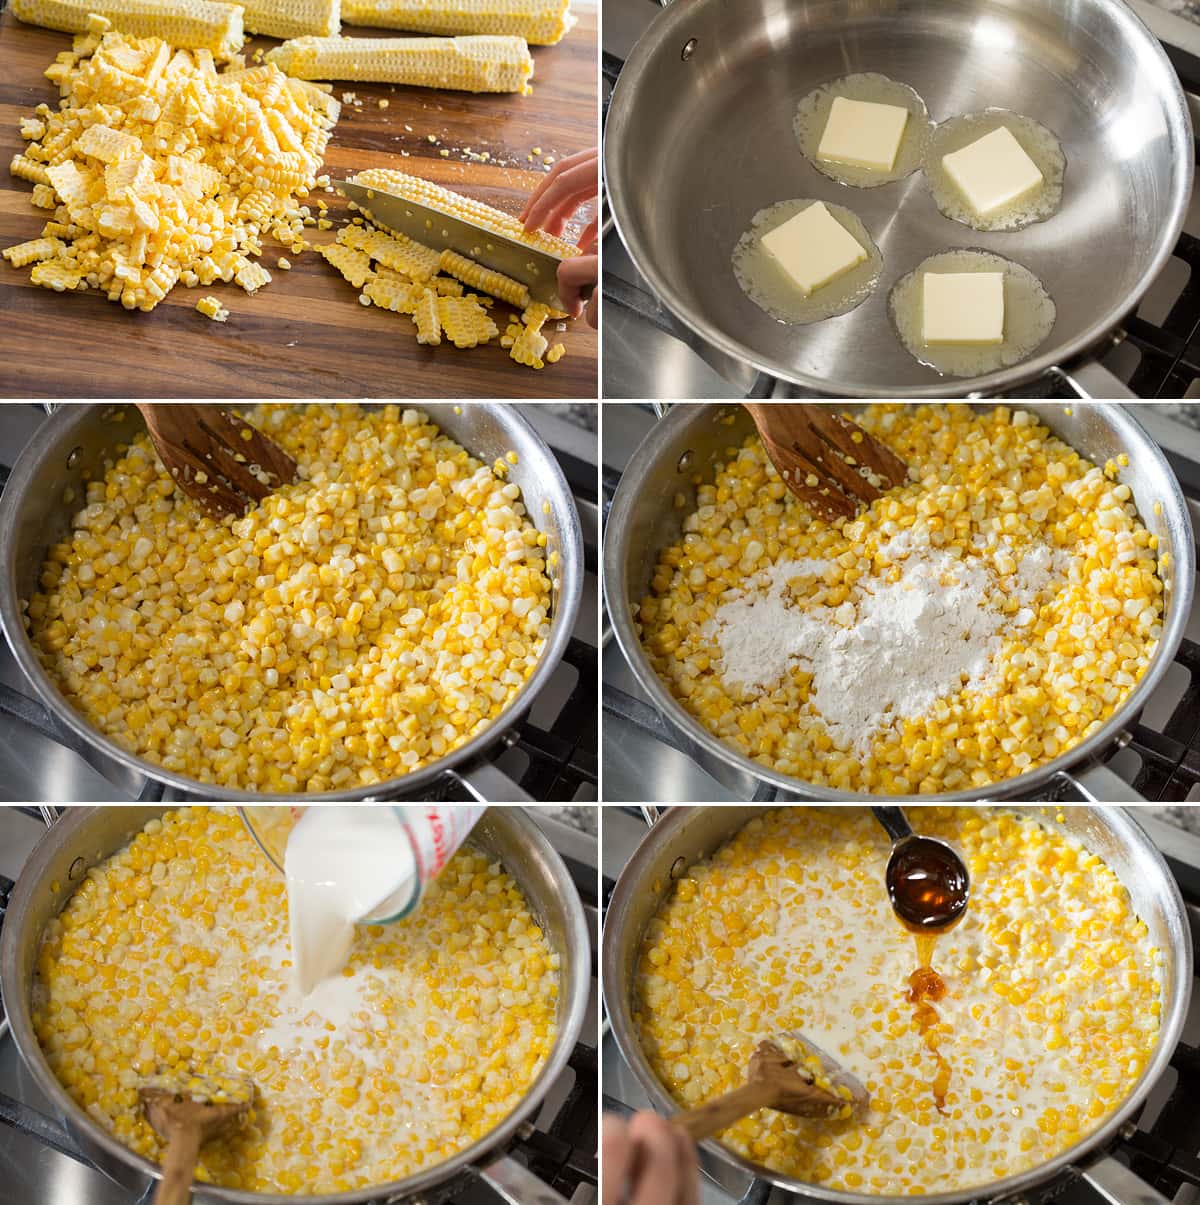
1118, 1185
1099, 784
485, 783
1090, 379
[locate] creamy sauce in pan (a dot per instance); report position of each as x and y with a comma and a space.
1049, 1012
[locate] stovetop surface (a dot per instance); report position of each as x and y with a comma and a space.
556, 758
1162, 763
1158, 358
31, 1173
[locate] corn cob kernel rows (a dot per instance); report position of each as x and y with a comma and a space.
191, 24
353, 627
166, 171
171, 956
1051, 1012
539, 22
425, 192
483, 279
989, 486
292, 18
467, 64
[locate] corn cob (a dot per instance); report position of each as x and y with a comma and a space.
210, 307
479, 277
292, 18
539, 22
193, 24
475, 64
423, 192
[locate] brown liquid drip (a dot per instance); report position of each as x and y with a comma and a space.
925, 988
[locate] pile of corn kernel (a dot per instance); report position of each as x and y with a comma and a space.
159, 170
993, 486
1051, 1013
353, 627
173, 952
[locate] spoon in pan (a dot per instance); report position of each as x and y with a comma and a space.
189, 1111
787, 1073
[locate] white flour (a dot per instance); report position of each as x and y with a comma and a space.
890, 651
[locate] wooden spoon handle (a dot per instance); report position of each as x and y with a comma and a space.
178, 1166
714, 1115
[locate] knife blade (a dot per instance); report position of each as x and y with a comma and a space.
536, 270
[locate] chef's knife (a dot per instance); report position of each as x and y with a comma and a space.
537, 270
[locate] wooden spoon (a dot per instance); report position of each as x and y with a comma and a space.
215, 456
189, 1114
778, 1077
821, 457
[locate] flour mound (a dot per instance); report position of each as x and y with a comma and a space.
889, 652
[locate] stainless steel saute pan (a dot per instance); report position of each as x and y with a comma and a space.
644, 519
85, 836
686, 835
699, 138
73, 445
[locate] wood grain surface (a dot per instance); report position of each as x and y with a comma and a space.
305, 334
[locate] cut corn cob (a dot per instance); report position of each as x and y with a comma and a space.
475, 64
193, 24
423, 192
539, 22
393, 293
34, 251
465, 321
292, 18
487, 281
528, 347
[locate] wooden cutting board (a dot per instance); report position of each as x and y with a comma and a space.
305, 334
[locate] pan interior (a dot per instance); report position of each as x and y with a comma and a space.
713, 133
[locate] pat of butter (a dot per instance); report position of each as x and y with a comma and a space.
813, 248
992, 170
862, 134
962, 307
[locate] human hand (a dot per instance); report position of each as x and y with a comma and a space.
570, 183
648, 1161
